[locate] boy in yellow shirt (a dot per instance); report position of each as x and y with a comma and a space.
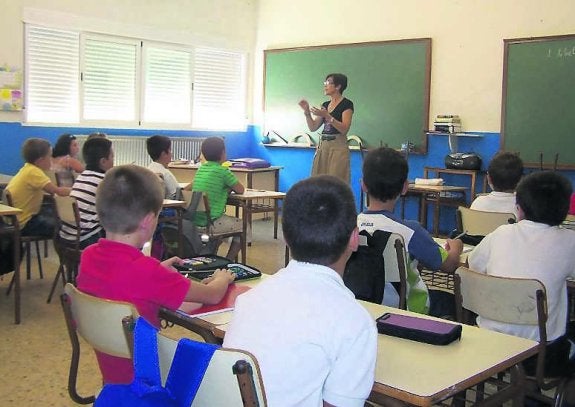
28, 186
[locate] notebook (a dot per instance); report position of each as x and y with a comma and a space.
226, 304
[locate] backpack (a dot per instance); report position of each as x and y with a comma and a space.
364, 272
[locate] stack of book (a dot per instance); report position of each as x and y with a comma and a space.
447, 123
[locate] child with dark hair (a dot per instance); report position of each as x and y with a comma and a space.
303, 325
216, 182
128, 202
65, 163
384, 180
99, 157
160, 151
535, 247
504, 172
28, 186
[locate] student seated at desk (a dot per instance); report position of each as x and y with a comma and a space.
384, 180
216, 181
99, 157
28, 187
65, 163
315, 344
535, 247
504, 172
160, 151
128, 202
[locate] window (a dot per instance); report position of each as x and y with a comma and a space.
92, 79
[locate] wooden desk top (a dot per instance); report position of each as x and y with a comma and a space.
173, 203
9, 210
423, 374
5, 179
235, 169
250, 194
435, 188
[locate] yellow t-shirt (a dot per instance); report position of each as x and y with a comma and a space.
26, 188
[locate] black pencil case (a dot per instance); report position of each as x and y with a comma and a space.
418, 329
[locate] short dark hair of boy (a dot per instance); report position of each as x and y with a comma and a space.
212, 148
318, 217
156, 145
96, 135
35, 148
93, 150
338, 79
505, 171
62, 146
125, 196
384, 173
544, 197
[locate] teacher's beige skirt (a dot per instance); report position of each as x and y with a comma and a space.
332, 158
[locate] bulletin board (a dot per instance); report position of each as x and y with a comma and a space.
10, 89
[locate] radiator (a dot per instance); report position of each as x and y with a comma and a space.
132, 149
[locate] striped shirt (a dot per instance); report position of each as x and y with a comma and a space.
84, 190
215, 181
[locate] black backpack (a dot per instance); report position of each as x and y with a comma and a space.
364, 272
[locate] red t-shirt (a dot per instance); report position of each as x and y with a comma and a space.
120, 272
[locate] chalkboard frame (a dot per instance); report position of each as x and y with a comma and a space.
544, 162
421, 141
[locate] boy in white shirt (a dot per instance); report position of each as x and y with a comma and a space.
315, 344
160, 151
503, 174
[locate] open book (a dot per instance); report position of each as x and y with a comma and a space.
226, 304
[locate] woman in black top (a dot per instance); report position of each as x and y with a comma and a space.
332, 154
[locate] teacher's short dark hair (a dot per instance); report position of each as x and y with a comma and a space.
318, 218
338, 79
544, 197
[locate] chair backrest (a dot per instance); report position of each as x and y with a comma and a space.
98, 321
67, 212
396, 259
481, 223
196, 201
502, 299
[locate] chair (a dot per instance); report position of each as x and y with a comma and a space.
196, 201
68, 252
234, 370
508, 300
99, 323
481, 223
26, 241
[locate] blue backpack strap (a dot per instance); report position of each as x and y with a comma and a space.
188, 368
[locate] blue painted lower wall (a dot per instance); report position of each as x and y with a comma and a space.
296, 162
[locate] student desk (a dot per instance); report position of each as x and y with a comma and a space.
436, 195
14, 231
412, 372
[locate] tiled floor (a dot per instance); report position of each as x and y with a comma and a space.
35, 355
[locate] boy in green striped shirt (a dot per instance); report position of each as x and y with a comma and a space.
216, 181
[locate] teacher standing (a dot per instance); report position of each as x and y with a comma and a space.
332, 154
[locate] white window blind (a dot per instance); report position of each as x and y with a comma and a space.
219, 89
110, 79
167, 83
51, 75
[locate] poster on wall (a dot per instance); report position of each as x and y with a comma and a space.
10, 89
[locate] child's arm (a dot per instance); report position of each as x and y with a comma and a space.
53, 189
238, 188
454, 248
211, 290
76, 165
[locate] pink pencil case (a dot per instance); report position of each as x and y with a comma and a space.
418, 329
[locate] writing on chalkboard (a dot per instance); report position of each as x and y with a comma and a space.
561, 52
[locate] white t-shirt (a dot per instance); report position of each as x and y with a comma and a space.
170, 182
312, 339
530, 250
496, 202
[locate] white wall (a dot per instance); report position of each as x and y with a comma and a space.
467, 41
219, 23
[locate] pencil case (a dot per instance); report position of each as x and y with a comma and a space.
418, 329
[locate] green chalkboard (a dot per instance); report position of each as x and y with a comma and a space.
538, 107
388, 82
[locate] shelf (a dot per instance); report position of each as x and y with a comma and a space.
453, 138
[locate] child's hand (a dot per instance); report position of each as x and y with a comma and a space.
169, 263
454, 244
223, 274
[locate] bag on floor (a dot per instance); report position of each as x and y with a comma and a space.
6, 255
189, 365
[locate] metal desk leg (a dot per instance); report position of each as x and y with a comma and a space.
276, 215
17, 275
